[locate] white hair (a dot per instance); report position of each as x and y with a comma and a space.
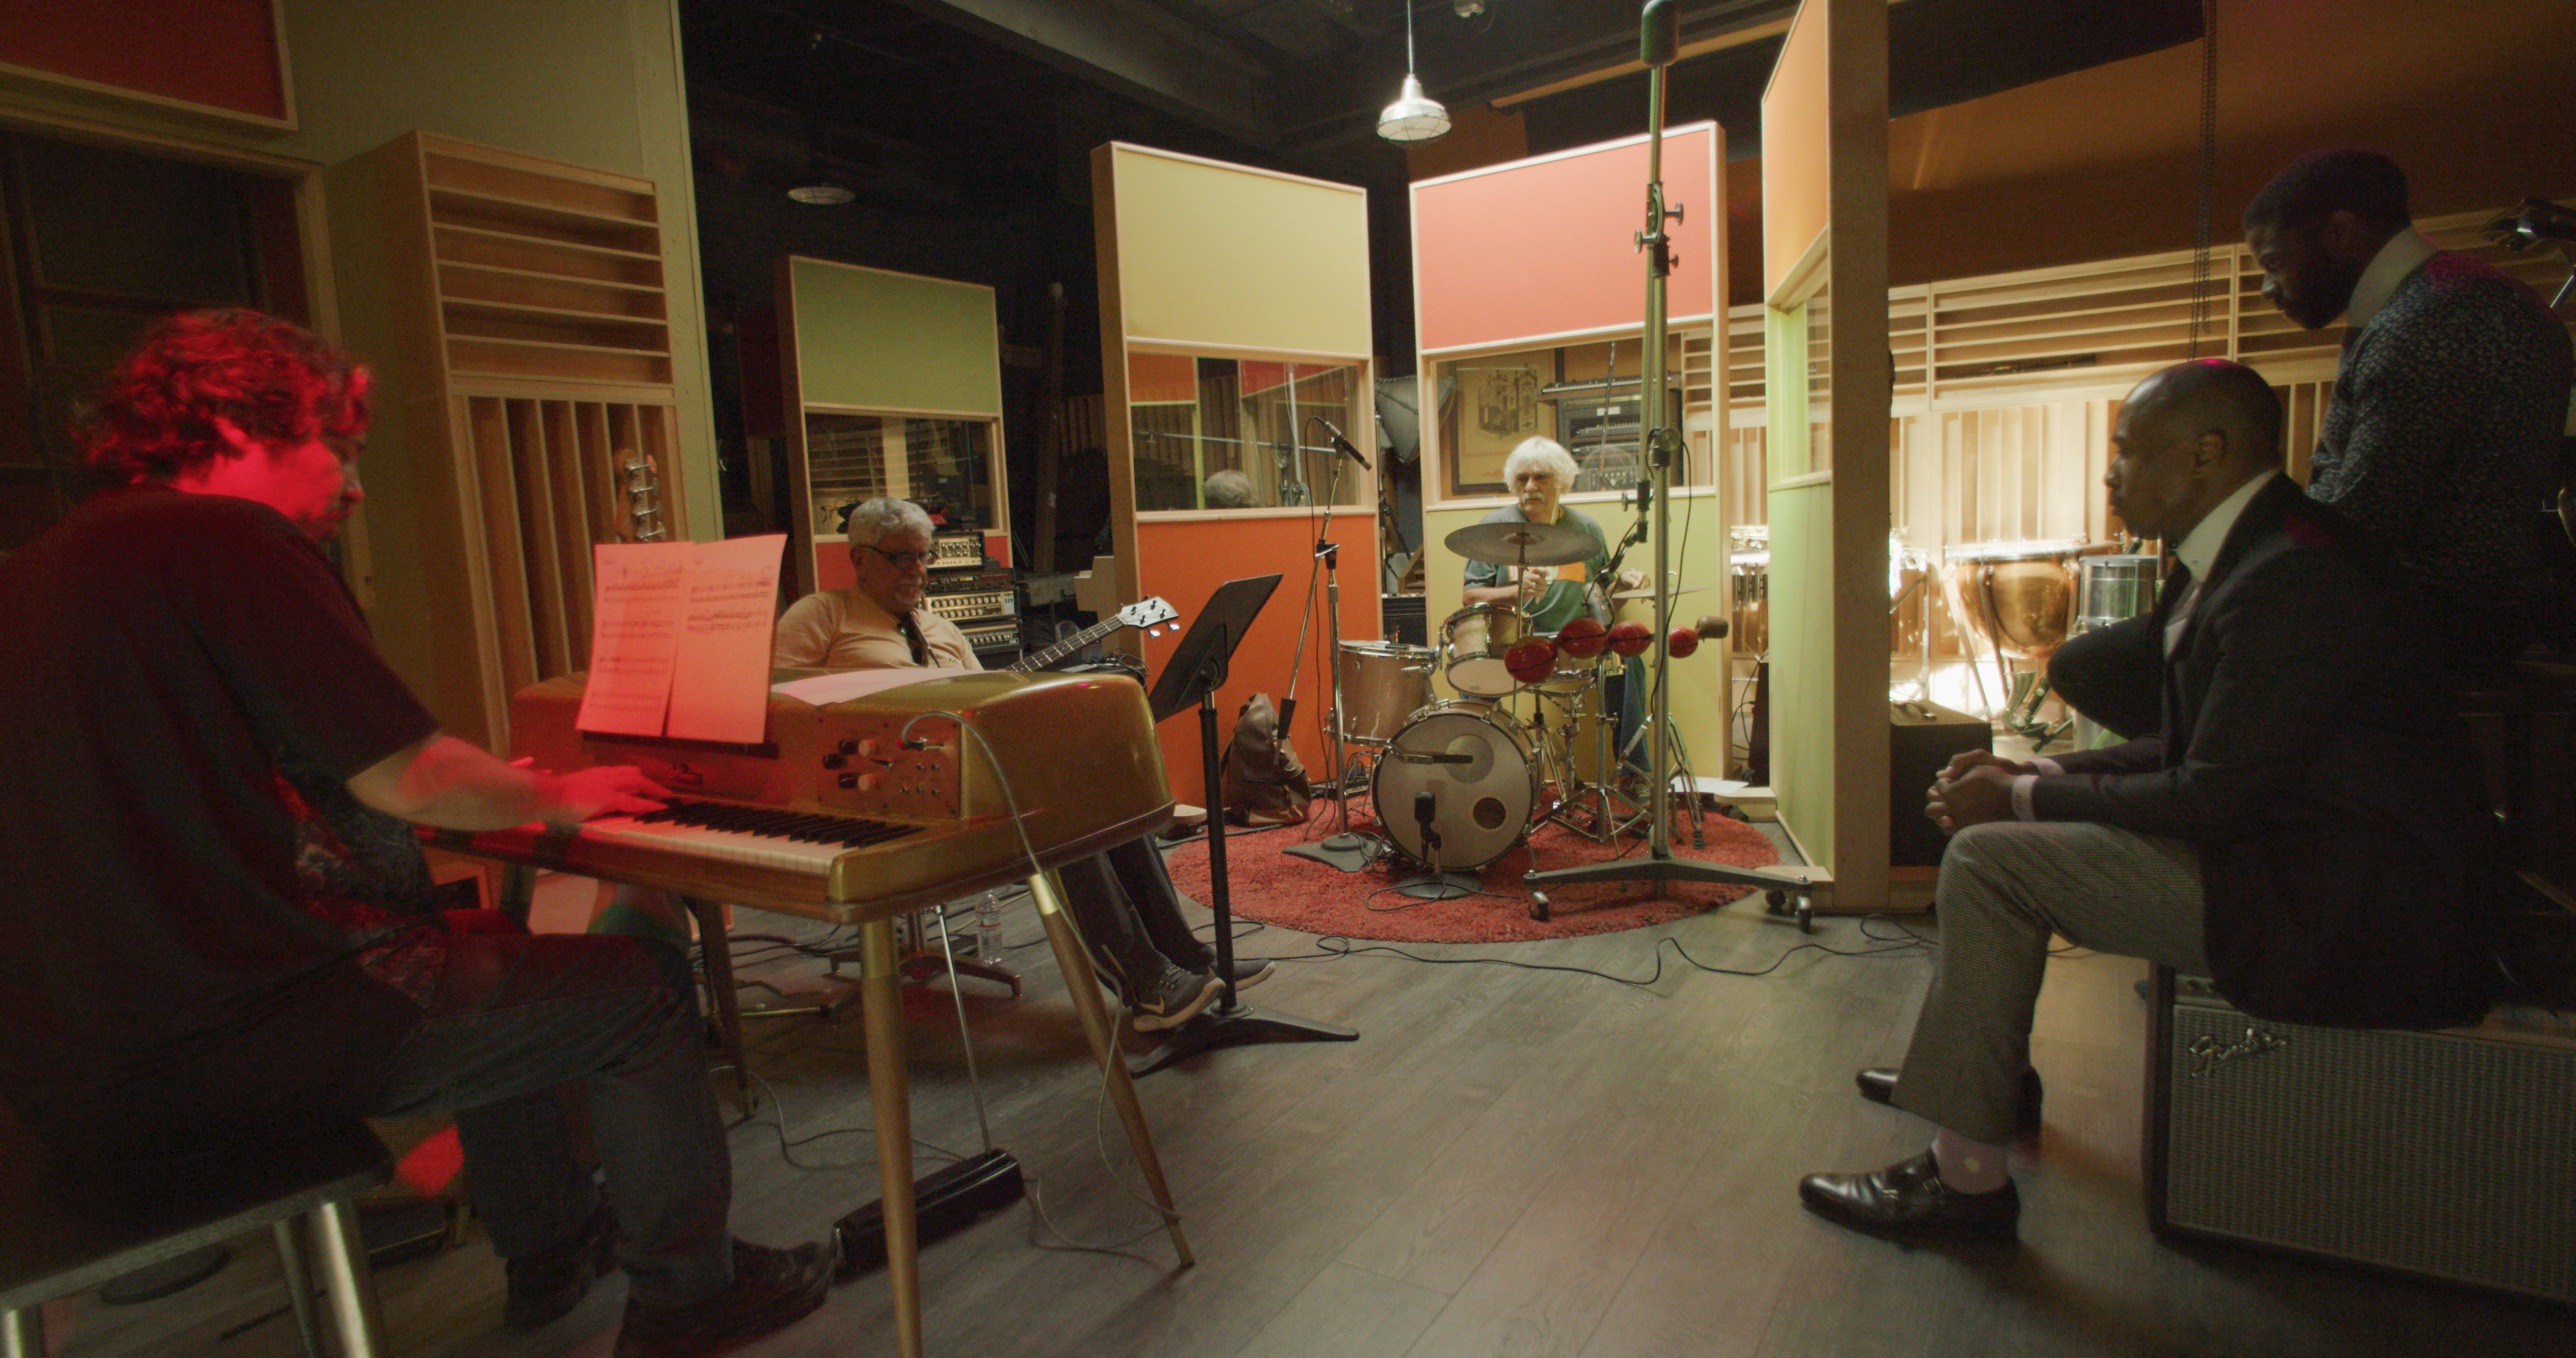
1541, 455
1229, 489
873, 521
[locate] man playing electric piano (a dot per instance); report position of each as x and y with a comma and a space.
216, 930
1123, 900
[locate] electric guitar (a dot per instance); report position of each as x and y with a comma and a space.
1147, 614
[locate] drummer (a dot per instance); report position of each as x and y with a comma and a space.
1539, 471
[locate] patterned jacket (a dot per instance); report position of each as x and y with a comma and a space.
2442, 438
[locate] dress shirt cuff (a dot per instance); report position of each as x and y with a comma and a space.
2022, 784
2048, 766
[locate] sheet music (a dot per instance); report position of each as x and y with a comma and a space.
634, 636
720, 680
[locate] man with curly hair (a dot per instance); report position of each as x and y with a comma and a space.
216, 930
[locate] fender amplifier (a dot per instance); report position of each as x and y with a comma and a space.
1921, 739
2446, 1154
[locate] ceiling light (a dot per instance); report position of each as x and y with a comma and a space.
1414, 116
821, 193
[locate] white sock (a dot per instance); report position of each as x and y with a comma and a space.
1969, 1166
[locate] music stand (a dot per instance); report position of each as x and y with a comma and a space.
1195, 673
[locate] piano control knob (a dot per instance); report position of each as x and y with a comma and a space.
847, 747
865, 748
836, 759
867, 782
848, 780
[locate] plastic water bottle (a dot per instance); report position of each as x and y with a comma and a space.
988, 926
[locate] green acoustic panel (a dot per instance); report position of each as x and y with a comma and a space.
1802, 665
897, 342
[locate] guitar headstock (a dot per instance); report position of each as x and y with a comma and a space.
1147, 614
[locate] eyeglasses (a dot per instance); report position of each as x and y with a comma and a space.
902, 561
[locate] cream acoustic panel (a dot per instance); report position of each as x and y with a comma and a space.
1224, 257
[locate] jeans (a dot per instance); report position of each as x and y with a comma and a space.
511, 1017
1130, 915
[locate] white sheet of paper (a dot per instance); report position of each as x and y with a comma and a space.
634, 636
843, 685
720, 678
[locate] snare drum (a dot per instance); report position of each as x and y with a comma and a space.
1472, 643
1481, 771
1383, 682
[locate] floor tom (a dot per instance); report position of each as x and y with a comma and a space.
1383, 682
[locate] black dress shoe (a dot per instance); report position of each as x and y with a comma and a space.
543, 1288
1878, 1084
1908, 1199
771, 1290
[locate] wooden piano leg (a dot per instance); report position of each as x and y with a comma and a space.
1074, 960
881, 1013
716, 946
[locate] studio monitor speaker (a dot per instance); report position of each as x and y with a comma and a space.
1921, 739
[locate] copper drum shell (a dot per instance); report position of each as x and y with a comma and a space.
1748, 576
2019, 596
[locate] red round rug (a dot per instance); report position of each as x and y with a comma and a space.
1296, 893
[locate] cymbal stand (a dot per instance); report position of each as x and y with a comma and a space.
1658, 38
1607, 812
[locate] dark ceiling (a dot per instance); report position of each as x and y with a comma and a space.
961, 105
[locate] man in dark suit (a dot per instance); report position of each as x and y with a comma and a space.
2443, 436
2305, 829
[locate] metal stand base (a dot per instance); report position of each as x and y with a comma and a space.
1441, 886
1661, 868
1349, 852
1239, 1026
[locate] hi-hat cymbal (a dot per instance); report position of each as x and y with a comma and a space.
1521, 544
1649, 592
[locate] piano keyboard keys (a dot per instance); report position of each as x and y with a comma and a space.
768, 836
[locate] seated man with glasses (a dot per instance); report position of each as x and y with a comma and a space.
1124, 901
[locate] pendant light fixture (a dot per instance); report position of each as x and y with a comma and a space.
1414, 116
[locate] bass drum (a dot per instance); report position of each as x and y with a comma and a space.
1480, 770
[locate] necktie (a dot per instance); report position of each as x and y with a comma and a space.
2185, 591
912, 637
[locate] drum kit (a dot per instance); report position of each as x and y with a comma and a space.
1459, 781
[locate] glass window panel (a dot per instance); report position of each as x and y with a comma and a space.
945, 466
1585, 396
1222, 433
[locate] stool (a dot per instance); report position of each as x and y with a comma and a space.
64, 1228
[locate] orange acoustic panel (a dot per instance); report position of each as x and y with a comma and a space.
1184, 561
1548, 246
215, 54
1797, 152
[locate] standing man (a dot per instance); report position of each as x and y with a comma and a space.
2442, 441
2267, 837
1123, 900
216, 931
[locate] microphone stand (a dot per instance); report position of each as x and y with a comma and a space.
1341, 849
1658, 36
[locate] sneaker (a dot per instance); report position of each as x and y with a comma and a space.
545, 1287
1175, 997
771, 1290
1252, 971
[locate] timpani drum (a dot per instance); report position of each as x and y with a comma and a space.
2019, 596
1383, 682
1480, 768
2113, 588
1748, 578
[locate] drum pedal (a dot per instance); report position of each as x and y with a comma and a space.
944, 1203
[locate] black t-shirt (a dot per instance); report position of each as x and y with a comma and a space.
166, 661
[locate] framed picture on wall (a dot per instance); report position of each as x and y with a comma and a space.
1494, 405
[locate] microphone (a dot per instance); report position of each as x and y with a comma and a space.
1343, 443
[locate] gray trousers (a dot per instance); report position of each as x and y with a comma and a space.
2005, 887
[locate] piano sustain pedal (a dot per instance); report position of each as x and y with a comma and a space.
944, 1203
